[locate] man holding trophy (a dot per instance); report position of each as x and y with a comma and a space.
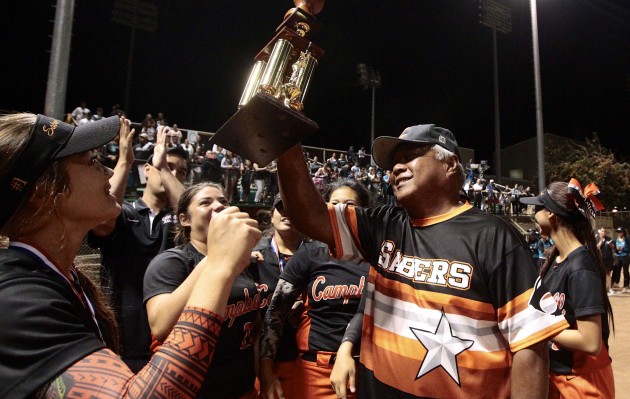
458, 318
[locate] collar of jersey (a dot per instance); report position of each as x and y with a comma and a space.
440, 218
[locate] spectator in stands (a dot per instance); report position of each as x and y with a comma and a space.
231, 166
79, 113
99, 114
515, 194
260, 176
314, 165
174, 136
57, 335
129, 241
161, 120
211, 169
332, 161
605, 246
477, 193
167, 287
149, 127
189, 147
361, 157
312, 270
342, 161
247, 170
87, 118
352, 156
144, 148
491, 197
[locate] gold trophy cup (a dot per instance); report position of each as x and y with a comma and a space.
269, 120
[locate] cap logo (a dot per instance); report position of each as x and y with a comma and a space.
50, 130
442, 139
17, 184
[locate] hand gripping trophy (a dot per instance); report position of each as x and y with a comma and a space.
269, 120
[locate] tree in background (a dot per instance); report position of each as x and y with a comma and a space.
590, 162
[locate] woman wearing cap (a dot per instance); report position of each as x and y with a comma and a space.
169, 281
280, 241
57, 336
580, 364
333, 289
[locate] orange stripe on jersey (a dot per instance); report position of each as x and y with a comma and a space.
434, 300
401, 370
441, 218
541, 335
516, 305
334, 225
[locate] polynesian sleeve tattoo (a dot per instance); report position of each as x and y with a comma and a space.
282, 301
177, 369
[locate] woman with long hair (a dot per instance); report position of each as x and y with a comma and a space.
57, 335
332, 291
575, 276
168, 284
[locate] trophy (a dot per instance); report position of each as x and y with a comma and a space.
269, 120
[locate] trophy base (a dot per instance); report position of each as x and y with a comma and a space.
263, 129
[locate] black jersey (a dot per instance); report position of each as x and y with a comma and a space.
447, 301
35, 298
125, 255
231, 372
576, 286
267, 275
333, 290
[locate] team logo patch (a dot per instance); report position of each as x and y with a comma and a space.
442, 347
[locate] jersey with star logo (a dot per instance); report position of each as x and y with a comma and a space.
447, 301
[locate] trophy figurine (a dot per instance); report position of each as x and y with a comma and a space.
269, 119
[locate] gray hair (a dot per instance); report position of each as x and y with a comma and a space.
442, 154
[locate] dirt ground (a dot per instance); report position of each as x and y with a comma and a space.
620, 343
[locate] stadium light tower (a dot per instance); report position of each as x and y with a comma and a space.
539, 114
370, 78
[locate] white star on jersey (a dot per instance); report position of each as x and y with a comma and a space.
442, 348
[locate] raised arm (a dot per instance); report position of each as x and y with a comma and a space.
118, 181
174, 188
301, 199
125, 160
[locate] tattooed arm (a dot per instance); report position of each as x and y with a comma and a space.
281, 302
179, 367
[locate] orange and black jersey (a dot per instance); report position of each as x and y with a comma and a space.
332, 288
232, 370
447, 301
576, 286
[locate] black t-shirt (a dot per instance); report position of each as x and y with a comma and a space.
125, 255
576, 285
333, 291
231, 372
267, 274
44, 327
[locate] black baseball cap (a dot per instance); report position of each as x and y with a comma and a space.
51, 140
620, 229
384, 147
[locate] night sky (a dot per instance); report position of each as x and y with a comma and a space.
434, 58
